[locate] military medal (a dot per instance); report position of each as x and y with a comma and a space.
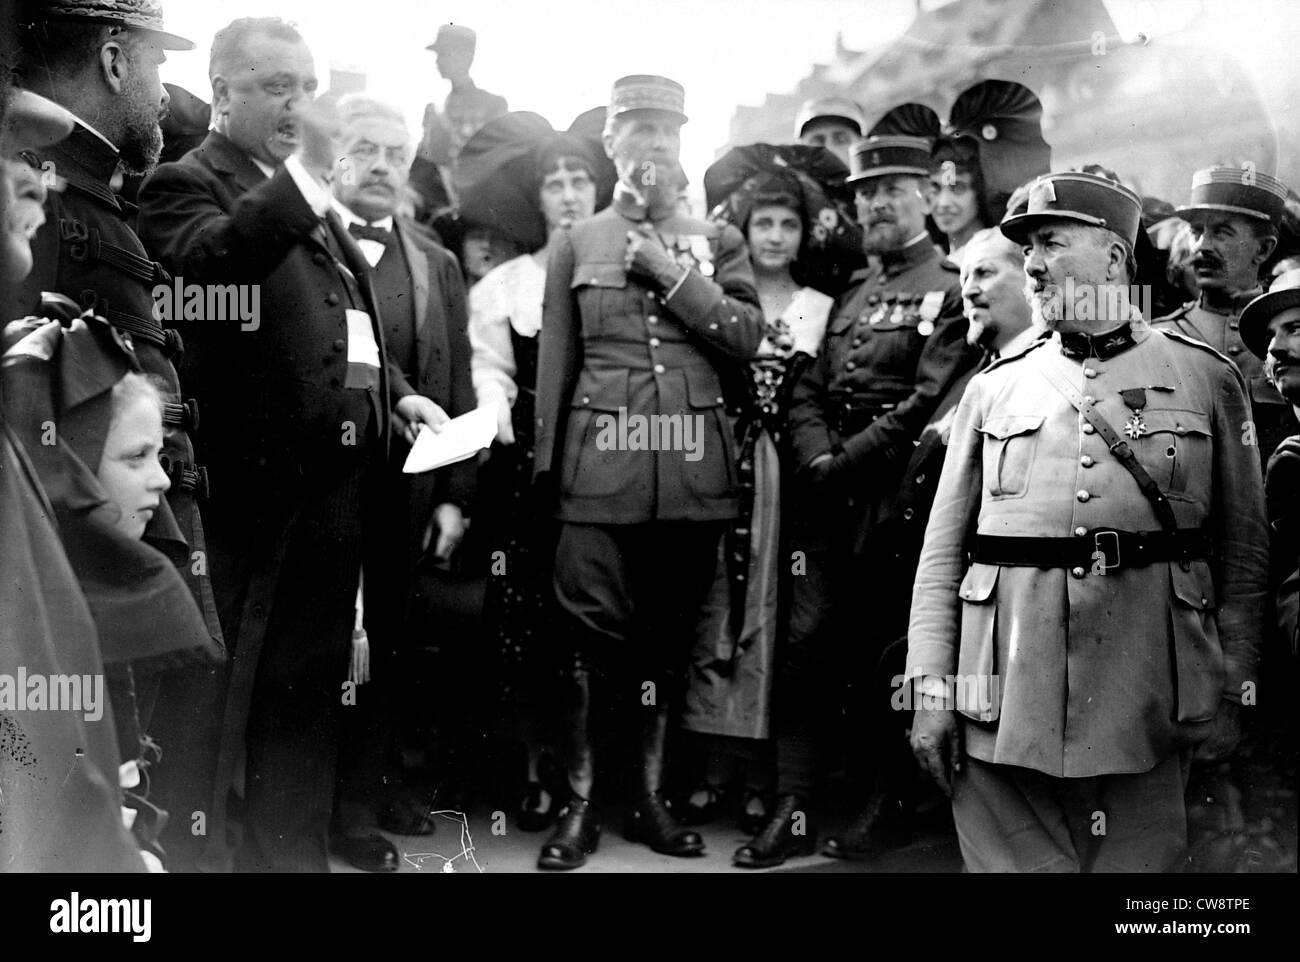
925, 328
931, 305
1136, 400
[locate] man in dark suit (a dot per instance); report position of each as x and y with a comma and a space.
299, 392
644, 309
421, 298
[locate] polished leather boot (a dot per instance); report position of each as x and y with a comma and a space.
778, 841
880, 826
577, 834
651, 823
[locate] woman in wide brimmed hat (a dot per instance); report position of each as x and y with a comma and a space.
522, 180
784, 200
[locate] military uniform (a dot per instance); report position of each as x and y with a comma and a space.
1097, 641
1273, 417
895, 343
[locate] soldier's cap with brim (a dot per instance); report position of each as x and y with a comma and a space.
32, 122
453, 35
886, 155
1079, 198
829, 108
143, 15
647, 92
1236, 190
1255, 316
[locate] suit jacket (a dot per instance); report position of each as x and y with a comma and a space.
1086, 673
617, 346
273, 396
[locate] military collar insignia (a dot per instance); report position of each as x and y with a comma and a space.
1079, 346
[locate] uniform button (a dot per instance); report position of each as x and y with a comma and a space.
340, 344
1090, 399
652, 319
1081, 531
1088, 428
734, 318
318, 258
920, 479
659, 369
713, 326
1089, 372
586, 399
331, 298
1205, 602
907, 514
849, 365
1234, 349
1087, 461
1077, 572
654, 342
1083, 495
719, 400
1233, 325
258, 611
857, 342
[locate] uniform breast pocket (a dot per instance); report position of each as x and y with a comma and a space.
602, 292
1174, 446
1009, 444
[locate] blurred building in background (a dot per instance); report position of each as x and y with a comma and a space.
1154, 111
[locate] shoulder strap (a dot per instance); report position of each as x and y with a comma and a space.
1118, 447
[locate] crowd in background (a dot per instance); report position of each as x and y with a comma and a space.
302, 644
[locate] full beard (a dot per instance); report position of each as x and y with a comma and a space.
1047, 306
142, 138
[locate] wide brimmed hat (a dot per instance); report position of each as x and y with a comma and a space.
832, 244
496, 178
1081, 198
1236, 190
137, 14
647, 92
1284, 293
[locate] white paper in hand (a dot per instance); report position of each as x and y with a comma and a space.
460, 438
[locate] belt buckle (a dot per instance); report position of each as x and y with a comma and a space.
1096, 542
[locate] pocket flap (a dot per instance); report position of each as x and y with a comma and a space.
600, 274
977, 587
1010, 425
601, 390
1176, 422
703, 392
1195, 587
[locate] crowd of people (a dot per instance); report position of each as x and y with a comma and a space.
911, 465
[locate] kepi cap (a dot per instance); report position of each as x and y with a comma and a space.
647, 92
1236, 190
142, 15
883, 155
1081, 198
840, 108
454, 35
1254, 319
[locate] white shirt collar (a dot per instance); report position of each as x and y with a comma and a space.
263, 166
349, 218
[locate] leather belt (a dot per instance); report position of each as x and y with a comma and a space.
1114, 549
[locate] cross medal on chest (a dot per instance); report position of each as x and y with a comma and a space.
1135, 399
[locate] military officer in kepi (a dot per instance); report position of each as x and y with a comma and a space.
1234, 215
895, 341
644, 309
1109, 619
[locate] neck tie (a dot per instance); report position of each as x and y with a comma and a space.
366, 232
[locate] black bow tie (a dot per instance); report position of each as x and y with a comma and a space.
366, 232
1080, 346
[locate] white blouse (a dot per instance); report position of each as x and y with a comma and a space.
509, 295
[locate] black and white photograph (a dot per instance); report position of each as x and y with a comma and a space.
612, 437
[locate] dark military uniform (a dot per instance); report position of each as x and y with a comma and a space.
1273, 417
895, 343
86, 251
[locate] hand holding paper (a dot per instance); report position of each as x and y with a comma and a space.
460, 438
